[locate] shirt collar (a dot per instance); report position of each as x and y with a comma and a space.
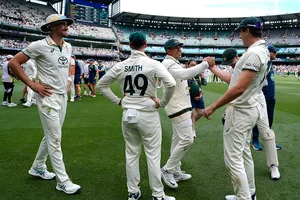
172, 58
137, 53
258, 43
51, 42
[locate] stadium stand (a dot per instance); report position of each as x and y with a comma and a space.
20, 22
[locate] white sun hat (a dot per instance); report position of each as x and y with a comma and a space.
54, 18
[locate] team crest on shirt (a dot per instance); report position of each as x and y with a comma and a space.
63, 61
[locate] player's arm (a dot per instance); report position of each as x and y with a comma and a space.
15, 64
104, 83
186, 73
224, 76
234, 92
168, 84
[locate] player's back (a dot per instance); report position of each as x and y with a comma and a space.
137, 78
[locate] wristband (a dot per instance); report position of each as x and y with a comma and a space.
69, 78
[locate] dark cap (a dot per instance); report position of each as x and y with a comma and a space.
271, 48
172, 43
228, 56
99, 61
73, 56
137, 39
91, 59
250, 22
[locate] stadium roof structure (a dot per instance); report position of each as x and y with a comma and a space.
145, 20
51, 1
98, 1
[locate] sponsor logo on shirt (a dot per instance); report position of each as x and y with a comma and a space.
63, 61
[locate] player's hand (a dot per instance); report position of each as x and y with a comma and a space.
210, 61
40, 88
156, 101
209, 111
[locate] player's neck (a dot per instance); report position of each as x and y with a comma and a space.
57, 39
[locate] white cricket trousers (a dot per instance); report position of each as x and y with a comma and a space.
72, 88
52, 110
30, 94
237, 154
182, 140
146, 132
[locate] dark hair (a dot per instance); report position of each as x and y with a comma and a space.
137, 45
254, 31
191, 60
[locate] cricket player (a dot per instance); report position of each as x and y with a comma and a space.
137, 76
179, 111
231, 57
8, 83
30, 71
52, 57
245, 109
72, 86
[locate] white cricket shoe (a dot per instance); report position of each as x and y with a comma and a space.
233, 197
168, 178
27, 104
12, 104
44, 174
135, 196
4, 103
85, 93
181, 176
164, 198
68, 187
72, 100
275, 174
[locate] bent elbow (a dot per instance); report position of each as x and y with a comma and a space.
240, 91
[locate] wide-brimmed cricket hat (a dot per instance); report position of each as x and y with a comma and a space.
54, 18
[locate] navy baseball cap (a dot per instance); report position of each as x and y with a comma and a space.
250, 22
172, 43
91, 59
271, 48
228, 56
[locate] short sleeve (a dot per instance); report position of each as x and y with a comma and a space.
33, 50
252, 62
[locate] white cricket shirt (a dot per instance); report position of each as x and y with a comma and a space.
137, 77
181, 97
255, 58
29, 69
52, 63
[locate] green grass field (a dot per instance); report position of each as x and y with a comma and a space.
93, 149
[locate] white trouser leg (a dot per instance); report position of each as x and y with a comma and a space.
237, 155
30, 94
72, 88
182, 140
268, 138
147, 132
52, 112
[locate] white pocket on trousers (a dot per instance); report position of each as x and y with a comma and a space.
132, 116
